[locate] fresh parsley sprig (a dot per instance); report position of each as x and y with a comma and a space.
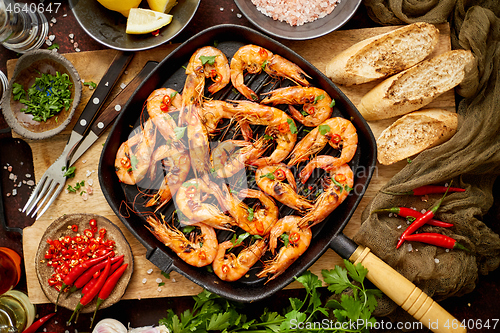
214, 313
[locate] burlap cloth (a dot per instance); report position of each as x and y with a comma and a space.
471, 158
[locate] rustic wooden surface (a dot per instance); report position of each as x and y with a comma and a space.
45, 152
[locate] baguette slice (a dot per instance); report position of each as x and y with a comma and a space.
384, 55
417, 86
415, 132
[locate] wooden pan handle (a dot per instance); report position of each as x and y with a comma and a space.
406, 294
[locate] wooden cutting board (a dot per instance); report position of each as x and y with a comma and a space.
91, 66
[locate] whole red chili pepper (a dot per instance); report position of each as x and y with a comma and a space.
92, 292
77, 271
428, 189
87, 276
436, 239
36, 325
421, 221
408, 212
108, 287
92, 282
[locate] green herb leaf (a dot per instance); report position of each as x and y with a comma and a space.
285, 239
188, 229
18, 91
323, 129
269, 175
161, 284
250, 214
134, 161
304, 113
264, 64
179, 132
410, 219
318, 98
166, 275
332, 104
268, 137
207, 60
70, 172
91, 84
238, 240
291, 124
53, 46
408, 160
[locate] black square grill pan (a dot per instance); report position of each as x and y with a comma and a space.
170, 73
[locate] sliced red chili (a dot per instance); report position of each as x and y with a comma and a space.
279, 174
88, 233
263, 52
335, 138
340, 177
74, 227
294, 237
283, 127
102, 232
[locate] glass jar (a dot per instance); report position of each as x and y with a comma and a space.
16, 312
10, 269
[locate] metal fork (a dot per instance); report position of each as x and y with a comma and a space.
53, 180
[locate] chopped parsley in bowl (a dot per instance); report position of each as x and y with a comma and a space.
42, 95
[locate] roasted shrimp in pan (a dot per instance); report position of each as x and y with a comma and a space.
340, 133
316, 103
271, 180
256, 220
199, 250
133, 157
338, 184
254, 59
296, 242
190, 200
231, 267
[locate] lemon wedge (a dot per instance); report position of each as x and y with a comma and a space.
162, 6
121, 6
143, 21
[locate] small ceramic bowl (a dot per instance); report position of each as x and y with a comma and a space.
28, 68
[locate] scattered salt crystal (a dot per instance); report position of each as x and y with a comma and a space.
9, 168
144, 280
150, 271
14, 192
53, 20
28, 175
410, 248
158, 280
71, 36
12, 176
77, 50
399, 227
90, 182
390, 214
423, 211
20, 183
447, 250
8, 195
66, 331
89, 190
56, 322
85, 196
436, 260
446, 185
84, 161
19, 209
5, 167
52, 37
30, 183
174, 280
221, 9
45, 329
159, 289
65, 15
238, 15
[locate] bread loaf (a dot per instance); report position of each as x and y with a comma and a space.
417, 86
415, 132
384, 55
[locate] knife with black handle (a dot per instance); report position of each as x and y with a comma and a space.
109, 114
